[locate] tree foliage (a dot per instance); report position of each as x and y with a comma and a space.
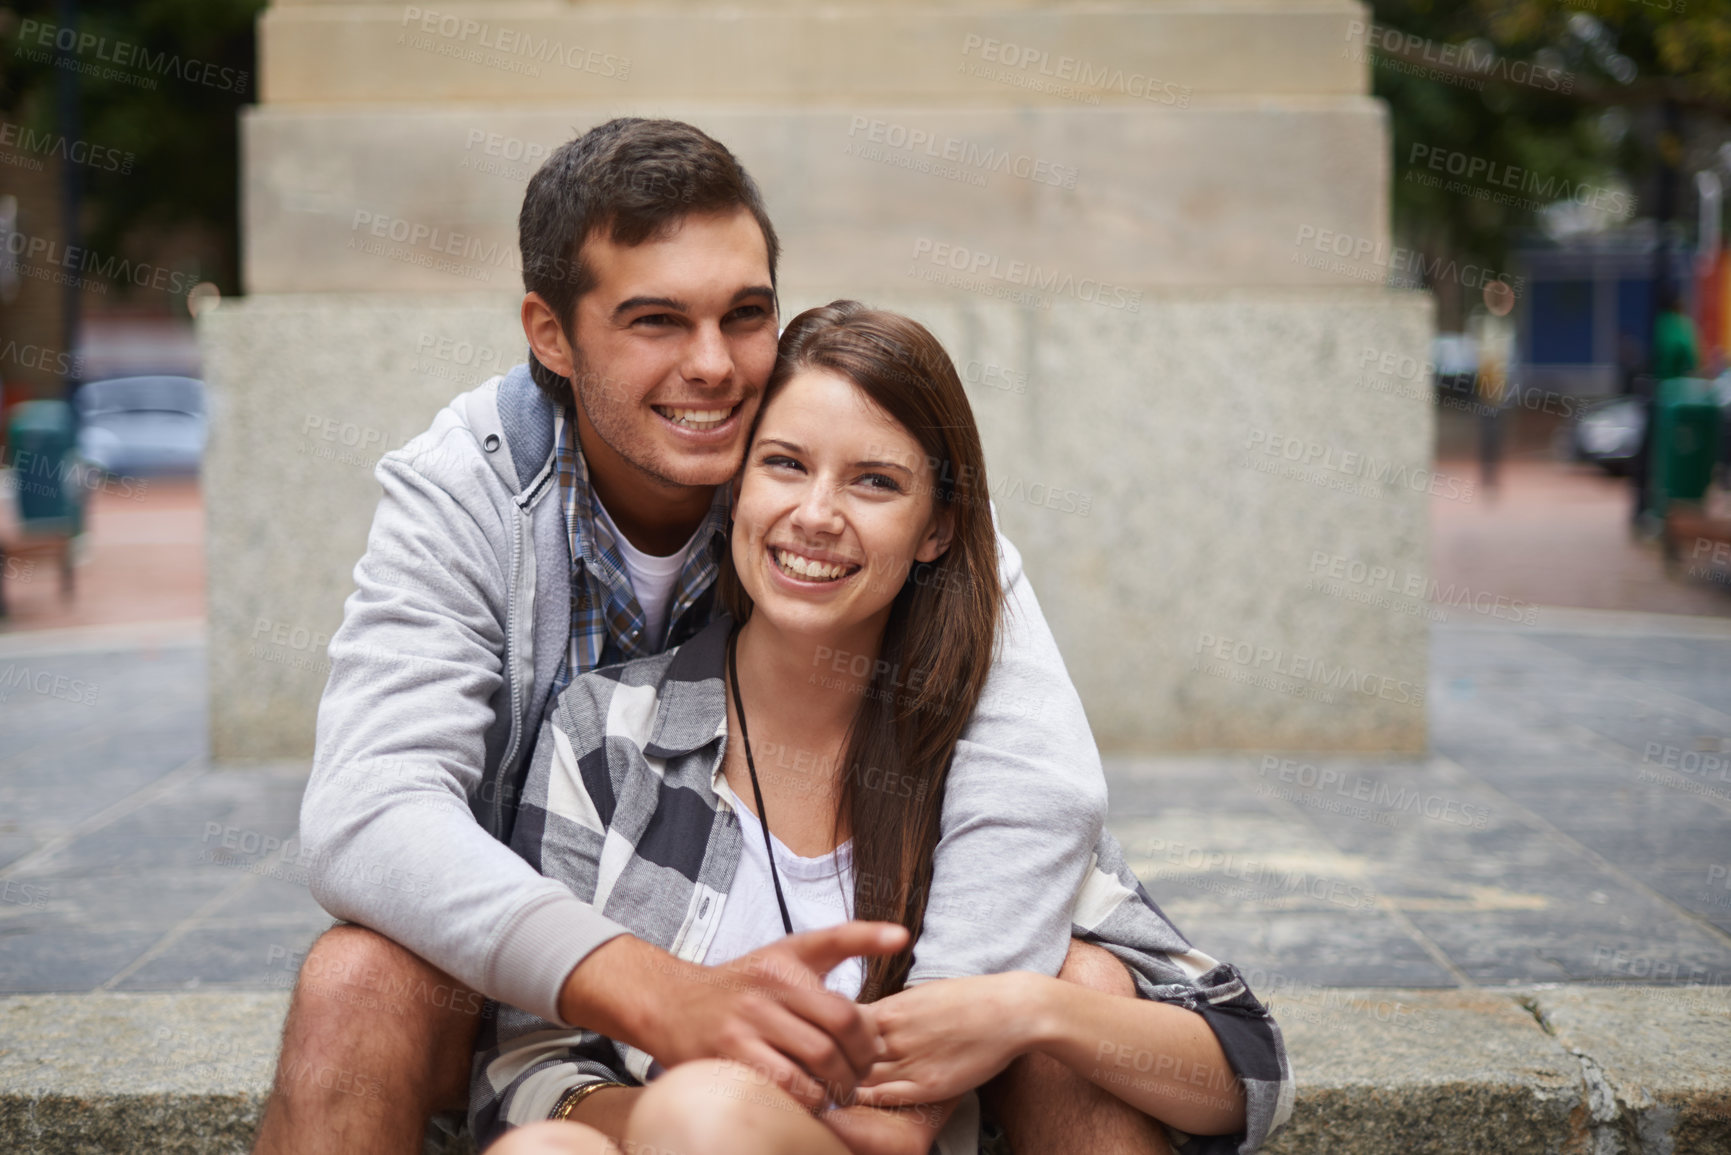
1619, 60
182, 131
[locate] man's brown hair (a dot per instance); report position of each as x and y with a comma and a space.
633, 180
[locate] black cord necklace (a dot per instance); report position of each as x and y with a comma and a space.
750, 765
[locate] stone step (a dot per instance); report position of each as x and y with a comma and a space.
1534, 1069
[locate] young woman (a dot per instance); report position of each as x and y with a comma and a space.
783, 772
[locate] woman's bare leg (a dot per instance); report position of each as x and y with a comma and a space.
553, 1139
716, 1107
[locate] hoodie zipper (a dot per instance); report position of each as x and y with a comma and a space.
512, 646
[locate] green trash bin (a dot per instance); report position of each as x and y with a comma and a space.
46, 472
1685, 442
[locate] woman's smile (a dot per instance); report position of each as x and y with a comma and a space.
811, 567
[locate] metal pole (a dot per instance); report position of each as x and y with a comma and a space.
1669, 153
66, 116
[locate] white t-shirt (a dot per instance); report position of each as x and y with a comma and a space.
652, 578
819, 893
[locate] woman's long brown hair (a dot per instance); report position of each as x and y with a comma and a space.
938, 641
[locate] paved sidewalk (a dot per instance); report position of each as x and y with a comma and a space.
141, 560
1555, 875
1572, 825
1554, 533
109, 879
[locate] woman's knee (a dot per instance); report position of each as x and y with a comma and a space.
553, 1138
1097, 969
674, 1111
717, 1085
694, 1105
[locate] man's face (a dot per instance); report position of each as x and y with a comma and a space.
674, 344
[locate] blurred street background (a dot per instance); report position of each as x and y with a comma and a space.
1493, 253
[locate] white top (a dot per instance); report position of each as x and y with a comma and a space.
652, 578
819, 893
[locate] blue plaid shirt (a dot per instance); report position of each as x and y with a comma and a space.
608, 626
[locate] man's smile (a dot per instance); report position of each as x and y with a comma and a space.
698, 420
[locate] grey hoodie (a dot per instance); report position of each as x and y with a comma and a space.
440, 675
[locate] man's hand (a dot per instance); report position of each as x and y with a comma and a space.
768, 1009
948, 1036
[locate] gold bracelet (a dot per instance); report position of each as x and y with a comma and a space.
570, 1099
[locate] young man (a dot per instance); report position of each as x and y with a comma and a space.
562, 517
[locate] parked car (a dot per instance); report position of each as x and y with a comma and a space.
1609, 434
140, 426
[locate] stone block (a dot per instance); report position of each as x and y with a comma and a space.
1423, 1073
867, 194
1013, 55
1139, 460
306, 395
1213, 495
135, 1073
1655, 1060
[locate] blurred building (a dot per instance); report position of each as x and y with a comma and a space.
1586, 321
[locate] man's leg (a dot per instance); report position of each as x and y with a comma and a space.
377, 1040
1045, 1108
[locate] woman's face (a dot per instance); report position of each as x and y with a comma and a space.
834, 505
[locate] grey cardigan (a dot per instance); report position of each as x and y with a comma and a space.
441, 674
